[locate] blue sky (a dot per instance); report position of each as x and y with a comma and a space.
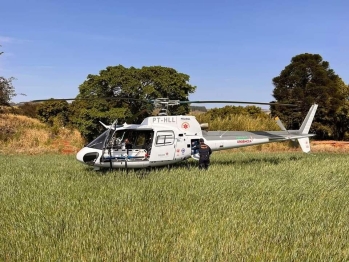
230, 49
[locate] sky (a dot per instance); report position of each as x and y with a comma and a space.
230, 49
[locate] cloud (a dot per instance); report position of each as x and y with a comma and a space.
12, 40
6, 39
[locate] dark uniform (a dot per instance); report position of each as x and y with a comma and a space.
128, 145
148, 145
205, 153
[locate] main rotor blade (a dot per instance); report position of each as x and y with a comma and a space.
90, 98
233, 102
153, 101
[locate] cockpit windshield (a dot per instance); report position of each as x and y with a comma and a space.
137, 138
99, 141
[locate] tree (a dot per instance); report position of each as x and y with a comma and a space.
28, 109
307, 80
7, 91
146, 83
231, 111
85, 116
53, 112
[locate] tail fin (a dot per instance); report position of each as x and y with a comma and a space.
308, 120
302, 135
305, 144
304, 129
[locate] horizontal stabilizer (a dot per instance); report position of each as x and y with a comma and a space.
290, 137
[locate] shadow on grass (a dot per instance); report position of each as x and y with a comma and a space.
190, 164
275, 160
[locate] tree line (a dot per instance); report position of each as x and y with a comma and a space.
308, 79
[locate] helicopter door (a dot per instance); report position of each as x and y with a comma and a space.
164, 146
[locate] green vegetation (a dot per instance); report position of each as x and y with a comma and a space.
237, 118
53, 112
308, 80
247, 207
142, 84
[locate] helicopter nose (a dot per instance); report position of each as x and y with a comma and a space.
80, 155
88, 155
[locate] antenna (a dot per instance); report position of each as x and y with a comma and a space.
163, 103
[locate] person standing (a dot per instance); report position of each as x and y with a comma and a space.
205, 153
148, 145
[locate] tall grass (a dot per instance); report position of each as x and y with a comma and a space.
239, 122
247, 207
21, 134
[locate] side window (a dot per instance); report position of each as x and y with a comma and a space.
164, 138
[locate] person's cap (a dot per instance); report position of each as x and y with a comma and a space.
201, 140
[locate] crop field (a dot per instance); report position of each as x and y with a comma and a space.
247, 207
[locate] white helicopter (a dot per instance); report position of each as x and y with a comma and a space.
165, 140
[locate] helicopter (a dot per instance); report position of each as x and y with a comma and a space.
164, 140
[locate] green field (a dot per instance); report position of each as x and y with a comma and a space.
251, 207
